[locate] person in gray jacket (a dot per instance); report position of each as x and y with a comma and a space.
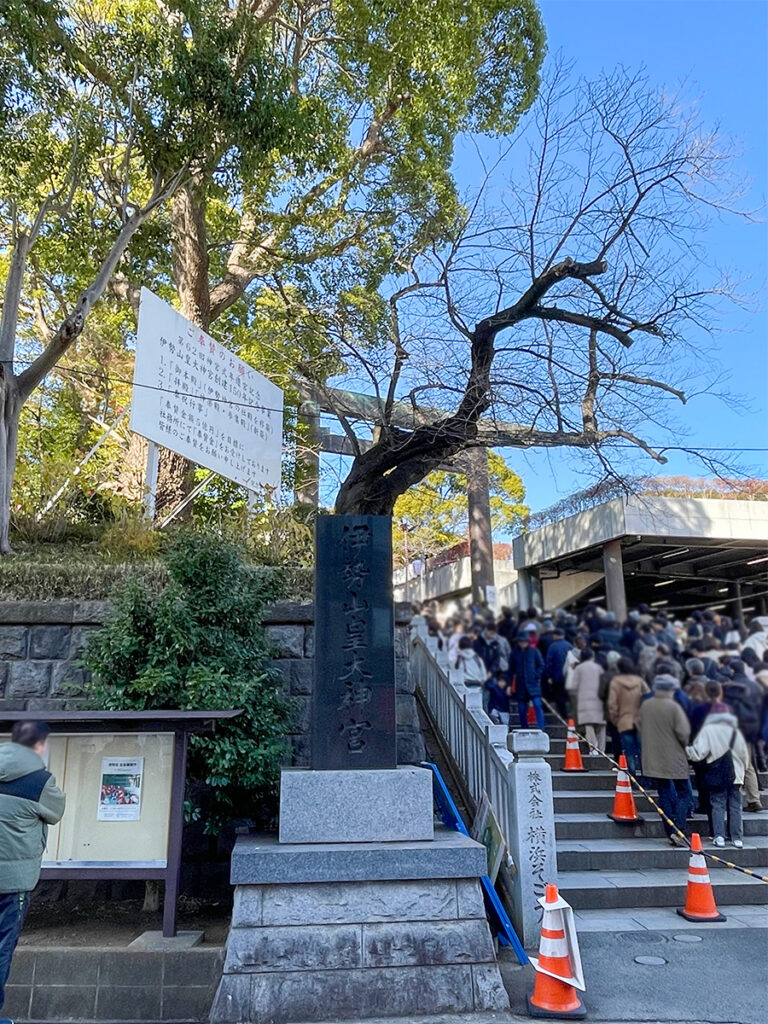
664, 734
30, 801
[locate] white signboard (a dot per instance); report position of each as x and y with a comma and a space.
193, 396
120, 788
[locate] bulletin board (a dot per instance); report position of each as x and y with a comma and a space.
124, 775
118, 789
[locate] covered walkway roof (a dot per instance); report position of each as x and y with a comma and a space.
677, 553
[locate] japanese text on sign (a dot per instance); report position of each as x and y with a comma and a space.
195, 397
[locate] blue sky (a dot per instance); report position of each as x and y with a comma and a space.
721, 51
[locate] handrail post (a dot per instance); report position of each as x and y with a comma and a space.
531, 829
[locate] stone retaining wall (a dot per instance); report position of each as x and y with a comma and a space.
41, 641
79, 985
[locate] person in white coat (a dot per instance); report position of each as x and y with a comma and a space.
725, 751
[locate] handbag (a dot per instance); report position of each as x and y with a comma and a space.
720, 774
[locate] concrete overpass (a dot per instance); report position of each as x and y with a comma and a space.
669, 552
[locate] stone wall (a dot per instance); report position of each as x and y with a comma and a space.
41, 641
40, 644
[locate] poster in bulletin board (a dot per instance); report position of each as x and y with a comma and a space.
118, 789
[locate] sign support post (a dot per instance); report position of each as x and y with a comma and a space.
150, 478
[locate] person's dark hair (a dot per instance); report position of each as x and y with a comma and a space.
532, 613
558, 631
755, 627
506, 612
749, 657
664, 667
714, 689
738, 666
29, 734
464, 643
626, 666
587, 654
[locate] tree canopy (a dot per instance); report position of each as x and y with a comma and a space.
262, 165
435, 510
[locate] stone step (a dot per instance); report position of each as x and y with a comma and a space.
588, 827
591, 763
653, 919
594, 801
590, 801
564, 782
594, 890
647, 854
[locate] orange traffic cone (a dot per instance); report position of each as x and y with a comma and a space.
573, 761
624, 811
699, 900
558, 968
531, 715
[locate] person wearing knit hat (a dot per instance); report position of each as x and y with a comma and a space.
664, 733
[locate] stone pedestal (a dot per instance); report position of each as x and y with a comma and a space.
532, 830
356, 806
327, 932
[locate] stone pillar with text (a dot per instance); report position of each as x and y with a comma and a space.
363, 908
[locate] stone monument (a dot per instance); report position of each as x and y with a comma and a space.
362, 908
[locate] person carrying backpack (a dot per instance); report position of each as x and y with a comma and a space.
723, 748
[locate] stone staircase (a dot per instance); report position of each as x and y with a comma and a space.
624, 877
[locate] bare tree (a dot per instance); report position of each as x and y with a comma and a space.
571, 317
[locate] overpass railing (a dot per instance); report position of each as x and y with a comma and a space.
508, 767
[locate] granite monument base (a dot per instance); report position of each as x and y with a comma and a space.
365, 806
348, 931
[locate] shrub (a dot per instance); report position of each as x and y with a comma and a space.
199, 644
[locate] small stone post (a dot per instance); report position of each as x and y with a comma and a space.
531, 830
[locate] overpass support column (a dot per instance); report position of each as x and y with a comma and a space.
613, 567
524, 589
480, 538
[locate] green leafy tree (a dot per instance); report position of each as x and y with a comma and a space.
107, 111
200, 645
435, 510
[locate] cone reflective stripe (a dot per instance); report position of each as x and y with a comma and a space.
573, 761
700, 899
624, 810
558, 967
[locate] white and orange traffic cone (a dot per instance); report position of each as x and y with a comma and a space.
624, 810
700, 899
573, 761
558, 968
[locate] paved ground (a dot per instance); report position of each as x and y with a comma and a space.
721, 978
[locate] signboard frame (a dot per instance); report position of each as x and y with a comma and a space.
179, 724
195, 397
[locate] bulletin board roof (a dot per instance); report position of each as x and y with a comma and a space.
126, 721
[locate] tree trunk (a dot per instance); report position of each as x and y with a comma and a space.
176, 474
10, 409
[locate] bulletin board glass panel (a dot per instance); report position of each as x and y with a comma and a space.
118, 789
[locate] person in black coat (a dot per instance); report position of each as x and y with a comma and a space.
526, 670
554, 670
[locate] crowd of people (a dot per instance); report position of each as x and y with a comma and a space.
673, 696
